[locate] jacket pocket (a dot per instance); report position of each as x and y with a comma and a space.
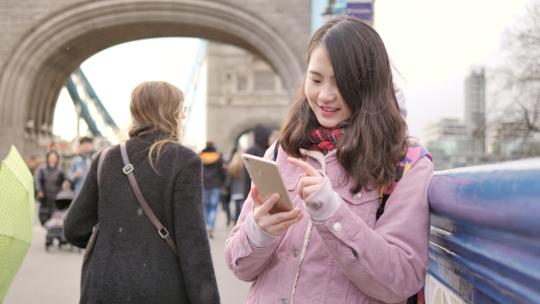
359, 198
363, 204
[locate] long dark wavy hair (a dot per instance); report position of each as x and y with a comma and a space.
376, 138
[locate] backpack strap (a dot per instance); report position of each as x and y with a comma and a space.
414, 153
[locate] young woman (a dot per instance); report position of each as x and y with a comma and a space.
131, 263
340, 152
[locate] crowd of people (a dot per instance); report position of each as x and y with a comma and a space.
358, 230
228, 181
56, 187
225, 182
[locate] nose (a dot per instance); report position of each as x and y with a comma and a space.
328, 93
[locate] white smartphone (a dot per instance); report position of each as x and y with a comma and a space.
265, 175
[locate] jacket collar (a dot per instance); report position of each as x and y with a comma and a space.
149, 136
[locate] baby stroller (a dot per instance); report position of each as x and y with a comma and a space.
55, 225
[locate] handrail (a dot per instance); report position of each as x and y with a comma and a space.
485, 233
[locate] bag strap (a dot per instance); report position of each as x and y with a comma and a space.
276, 148
101, 157
414, 153
128, 171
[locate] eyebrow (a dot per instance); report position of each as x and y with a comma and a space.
318, 74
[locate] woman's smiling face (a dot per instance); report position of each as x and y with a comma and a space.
322, 92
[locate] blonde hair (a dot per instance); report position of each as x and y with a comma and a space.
236, 166
155, 107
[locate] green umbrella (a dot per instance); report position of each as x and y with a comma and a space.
16, 216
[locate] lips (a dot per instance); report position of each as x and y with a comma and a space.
328, 109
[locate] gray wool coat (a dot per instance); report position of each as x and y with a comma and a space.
130, 262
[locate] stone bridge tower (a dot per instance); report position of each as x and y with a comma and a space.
243, 91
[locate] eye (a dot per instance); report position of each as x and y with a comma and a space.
315, 80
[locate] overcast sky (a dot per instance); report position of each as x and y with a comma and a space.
433, 43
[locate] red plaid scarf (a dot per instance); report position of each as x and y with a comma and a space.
324, 139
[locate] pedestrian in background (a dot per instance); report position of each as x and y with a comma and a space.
48, 182
234, 182
131, 262
261, 136
213, 180
81, 162
354, 235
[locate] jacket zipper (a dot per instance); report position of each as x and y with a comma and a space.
302, 255
321, 159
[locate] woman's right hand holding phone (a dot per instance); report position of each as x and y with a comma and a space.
275, 224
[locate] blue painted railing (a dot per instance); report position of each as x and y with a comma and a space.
485, 234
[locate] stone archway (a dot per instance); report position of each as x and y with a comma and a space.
40, 64
245, 127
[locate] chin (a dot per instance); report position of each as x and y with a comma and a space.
327, 124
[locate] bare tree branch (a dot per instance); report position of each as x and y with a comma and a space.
518, 82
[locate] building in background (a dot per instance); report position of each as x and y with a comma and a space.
243, 90
509, 142
454, 143
506, 141
449, 143
475, 109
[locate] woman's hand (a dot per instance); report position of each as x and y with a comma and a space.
310, 182
275, 224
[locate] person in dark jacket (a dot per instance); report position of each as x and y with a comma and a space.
234, 182
261, 135
213, 180
48, 182
130, 262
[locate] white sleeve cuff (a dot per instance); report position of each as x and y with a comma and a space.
257, 236
324, 203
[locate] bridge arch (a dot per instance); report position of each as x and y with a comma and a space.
43, 60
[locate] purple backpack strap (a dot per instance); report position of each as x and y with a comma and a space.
414, 153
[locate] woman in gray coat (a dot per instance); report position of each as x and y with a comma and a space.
130, 262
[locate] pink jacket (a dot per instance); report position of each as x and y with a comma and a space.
346, 257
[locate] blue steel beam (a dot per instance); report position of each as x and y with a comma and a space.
85, 113
485, 234
193, 80
97, 102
